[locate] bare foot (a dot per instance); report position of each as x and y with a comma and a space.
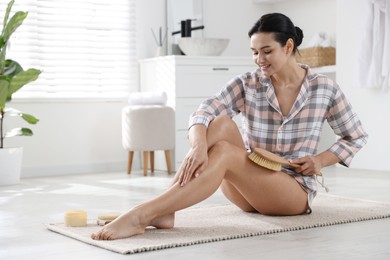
164, 222
126, 225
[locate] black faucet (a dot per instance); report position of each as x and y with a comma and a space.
186, 28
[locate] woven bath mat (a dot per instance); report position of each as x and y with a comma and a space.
217, 223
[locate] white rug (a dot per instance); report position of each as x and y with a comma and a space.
211, 224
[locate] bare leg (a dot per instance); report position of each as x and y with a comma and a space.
236, 197
273, 193
222, 128
267, 192
175, 198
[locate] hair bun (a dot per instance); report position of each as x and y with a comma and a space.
299, 34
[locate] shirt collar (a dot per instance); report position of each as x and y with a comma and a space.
301, 98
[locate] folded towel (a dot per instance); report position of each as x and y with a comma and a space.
148, 98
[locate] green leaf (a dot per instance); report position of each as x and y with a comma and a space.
2, 42
3, 93
22, 131
12, 68
9, 7
13, 24
2, 59
27, 117
30, 118
22, 79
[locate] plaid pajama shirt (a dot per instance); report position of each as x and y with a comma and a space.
295, 135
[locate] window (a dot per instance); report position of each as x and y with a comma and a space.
85, 48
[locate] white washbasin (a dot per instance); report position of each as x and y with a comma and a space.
202, 46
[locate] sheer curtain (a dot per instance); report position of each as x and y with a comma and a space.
373, 57
85, 48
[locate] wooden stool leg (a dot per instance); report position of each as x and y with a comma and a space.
168, 159
145, 163
129, 161
152, 162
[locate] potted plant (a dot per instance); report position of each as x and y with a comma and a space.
12, 79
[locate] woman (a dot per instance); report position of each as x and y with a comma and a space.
284, 105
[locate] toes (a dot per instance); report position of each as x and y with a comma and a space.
95, 236
102, 235
98, 236
107, 236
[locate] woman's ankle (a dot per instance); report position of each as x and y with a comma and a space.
164, 222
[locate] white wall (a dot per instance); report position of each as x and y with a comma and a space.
232, 19
150, 15
312, 16
71, 137
372, 106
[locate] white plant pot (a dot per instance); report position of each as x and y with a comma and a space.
10, 165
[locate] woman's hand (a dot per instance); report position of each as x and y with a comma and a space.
308, 165
193, 164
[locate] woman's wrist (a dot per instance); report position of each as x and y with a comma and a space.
327, 158
197, 136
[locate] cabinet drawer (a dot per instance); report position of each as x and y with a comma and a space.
204, 81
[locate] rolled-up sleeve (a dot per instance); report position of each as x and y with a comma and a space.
228, 101
347, 125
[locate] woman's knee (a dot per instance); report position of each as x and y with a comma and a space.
221, 147
224, 128
223, 123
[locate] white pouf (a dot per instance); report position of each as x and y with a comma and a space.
148, 128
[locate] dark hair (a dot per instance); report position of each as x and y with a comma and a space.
282, 27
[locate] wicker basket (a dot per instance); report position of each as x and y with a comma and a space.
317, 56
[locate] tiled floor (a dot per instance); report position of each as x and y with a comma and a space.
24, 209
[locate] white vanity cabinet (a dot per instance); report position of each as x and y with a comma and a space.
188, 80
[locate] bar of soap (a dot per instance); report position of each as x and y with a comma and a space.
75, 218
105, 218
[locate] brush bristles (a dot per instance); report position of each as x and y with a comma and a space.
265, 163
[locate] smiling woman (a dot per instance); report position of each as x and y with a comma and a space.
278, 102
85, 48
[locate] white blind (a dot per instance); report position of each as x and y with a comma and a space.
85, 48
